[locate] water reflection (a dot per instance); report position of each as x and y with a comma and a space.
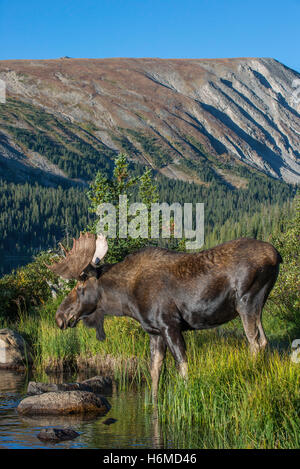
137, 424
11, 381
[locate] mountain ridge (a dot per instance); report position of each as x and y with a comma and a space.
174, 115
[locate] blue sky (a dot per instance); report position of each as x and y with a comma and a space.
150, 28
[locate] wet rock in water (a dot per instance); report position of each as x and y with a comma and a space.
14, 351
57, 434
35, 388
63, 403
97, 384
109, 421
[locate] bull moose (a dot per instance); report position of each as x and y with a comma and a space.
169, 292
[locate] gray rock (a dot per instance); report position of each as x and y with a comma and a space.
57, 434
63, 403
15, 353
35, 388
97, 384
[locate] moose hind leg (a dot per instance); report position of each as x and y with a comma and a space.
176, 344
158, 352
251, 330
250, 306
263, 342
250, 310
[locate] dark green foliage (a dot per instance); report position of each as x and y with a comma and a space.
222, 203
158, 155
124, 143
28, 286
266, 220
104, 190
285, 295
72, 148
76, 164
34, 218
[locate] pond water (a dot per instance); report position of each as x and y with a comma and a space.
136, 426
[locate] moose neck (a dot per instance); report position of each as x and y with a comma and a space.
113, 288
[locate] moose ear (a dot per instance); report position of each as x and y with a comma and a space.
101, 249
88, 272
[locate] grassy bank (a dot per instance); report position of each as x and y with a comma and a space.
232, 400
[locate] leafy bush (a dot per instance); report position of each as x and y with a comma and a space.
27, 287
285, 294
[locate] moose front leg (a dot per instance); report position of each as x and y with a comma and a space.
158, 351
176, 344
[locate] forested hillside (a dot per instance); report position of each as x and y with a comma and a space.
43, 194
34, 217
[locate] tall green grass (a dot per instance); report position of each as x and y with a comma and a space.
124, 353
231, 399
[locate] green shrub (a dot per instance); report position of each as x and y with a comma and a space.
285, 295
26, 287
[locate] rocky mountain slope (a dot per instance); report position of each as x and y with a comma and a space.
186, 118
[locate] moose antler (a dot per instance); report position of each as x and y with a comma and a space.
85, 249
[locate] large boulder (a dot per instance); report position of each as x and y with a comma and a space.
14, 351
63, 403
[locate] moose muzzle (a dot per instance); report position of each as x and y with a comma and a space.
60, 320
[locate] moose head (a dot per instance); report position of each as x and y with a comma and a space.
82, 264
